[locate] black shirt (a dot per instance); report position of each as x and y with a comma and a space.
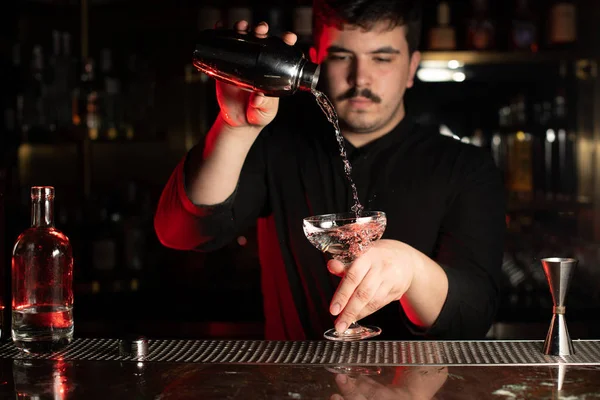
442, 197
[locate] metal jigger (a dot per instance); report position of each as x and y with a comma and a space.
558, 273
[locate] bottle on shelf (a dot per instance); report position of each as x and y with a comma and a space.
54, 77
61, 85
35, 99
524, 31
103, 246
520, 169
137, 222
67, 67
86, 110
566, 140
140, 114
443, 35
538, 140
133, 97
302, 24
499, 139
562, 24
110, 98
42, 280
92, 97
550, 163
481, 29
13, 111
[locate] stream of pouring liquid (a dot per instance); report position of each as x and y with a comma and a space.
332, 117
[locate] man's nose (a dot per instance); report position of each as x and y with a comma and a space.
360, 74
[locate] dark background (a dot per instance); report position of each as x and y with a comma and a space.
146, 111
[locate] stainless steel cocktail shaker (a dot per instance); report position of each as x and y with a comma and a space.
267, 65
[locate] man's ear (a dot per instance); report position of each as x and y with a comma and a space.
415, 60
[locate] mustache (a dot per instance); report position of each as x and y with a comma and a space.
355, 92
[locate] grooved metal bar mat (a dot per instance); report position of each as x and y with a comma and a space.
325, 352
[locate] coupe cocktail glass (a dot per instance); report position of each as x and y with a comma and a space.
345, 237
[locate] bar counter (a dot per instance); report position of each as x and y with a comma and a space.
239, 369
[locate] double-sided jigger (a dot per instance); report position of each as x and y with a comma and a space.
559, 272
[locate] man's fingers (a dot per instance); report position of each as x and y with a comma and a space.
352, 278
257, 99
370, 389
362, 296
336, 267
290, 38
362, 388
261, 102
346, 385
241, 26
377, 302
261, 29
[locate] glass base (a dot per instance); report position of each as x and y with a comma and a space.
42, 346
353, 333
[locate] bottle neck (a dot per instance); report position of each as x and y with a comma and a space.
42, 213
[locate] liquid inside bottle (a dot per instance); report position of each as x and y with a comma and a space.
42, 281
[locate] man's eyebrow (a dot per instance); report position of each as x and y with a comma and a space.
337, 49
386, 49
381, 50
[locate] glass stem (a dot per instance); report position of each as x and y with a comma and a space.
354, 325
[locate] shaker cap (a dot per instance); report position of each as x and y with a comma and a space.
309, 77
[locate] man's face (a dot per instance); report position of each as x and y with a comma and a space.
366, 74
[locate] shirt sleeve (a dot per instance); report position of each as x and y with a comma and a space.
470, 249
182, 225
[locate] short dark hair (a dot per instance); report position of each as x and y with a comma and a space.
365, 13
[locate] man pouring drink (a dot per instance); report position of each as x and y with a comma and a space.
435, 271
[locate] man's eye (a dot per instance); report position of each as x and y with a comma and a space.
383, 60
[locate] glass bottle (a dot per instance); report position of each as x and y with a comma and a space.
302, 24
111, 123
562, 21
42, 280
524, 27
520, 172
443, 35
481, 30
